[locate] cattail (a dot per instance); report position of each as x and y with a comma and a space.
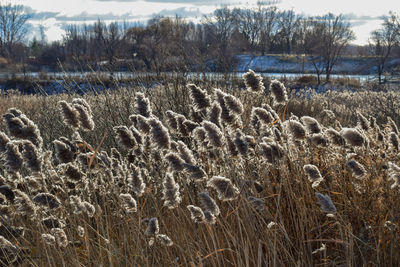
214, 114
142, 123
196, 214
47, 199
171, 195
394, 174
77, 204
326, 203
73, 173
199, 97
209, 217
394, 140
362, 122
49, 239
241, 143
20, 126
51, 222
70, 114
231, 147
318, 139
152, 227
253, 82
82, 102
335, 137
314, 176
13, 158
357, 169
352, 136
226, 115
214, 134
171, 120
190, 126
233, 104
272, 151
164, 240
159, 134
24, 204
128, 203
174, 161
224, 187
311, 124
90, 209
60, 236
7, 192
142, 105
196, 172
393, 125
208, 203
278, 91
200, 134
64, 154
257, 202
85, 117
3, 142
31, 157
263, 115
125, 137
271, 110
296, 129
135, 180
185, 153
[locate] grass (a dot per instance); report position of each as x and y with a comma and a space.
287, 227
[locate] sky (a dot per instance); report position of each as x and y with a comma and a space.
364, 15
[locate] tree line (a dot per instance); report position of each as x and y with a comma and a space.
178, 44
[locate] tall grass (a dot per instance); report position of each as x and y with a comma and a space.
183, 175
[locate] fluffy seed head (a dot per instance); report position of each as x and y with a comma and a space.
357, 169
296, 129
171, 195
278, 91
253, 82
314, 176
209, 203
159, 134
70, 114
214, 134
335, 137
394, 174
224, 187
142, 105
60, 236
128, 203
233, 104
47, 199
152, 227
311, 124
352, 136
85, 117
199, 97
326, 203
196, 214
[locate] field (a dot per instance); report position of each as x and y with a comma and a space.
189, 175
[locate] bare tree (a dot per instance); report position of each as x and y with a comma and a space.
222, 25
383, 40
12, 27
325, 39
288, 22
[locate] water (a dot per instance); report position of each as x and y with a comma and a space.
125, 75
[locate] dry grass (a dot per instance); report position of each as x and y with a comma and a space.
281, 224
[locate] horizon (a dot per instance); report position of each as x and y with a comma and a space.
54, 16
